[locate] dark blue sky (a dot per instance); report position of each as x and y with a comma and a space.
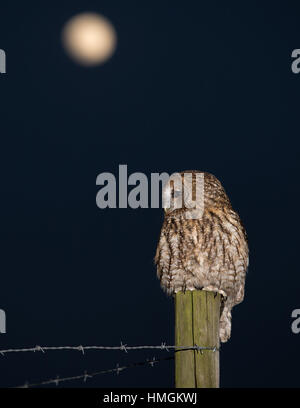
193, 85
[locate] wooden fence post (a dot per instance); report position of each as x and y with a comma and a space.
197, 315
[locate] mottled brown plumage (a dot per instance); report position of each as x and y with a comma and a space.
208, 253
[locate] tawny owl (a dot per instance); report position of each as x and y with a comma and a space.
204, 247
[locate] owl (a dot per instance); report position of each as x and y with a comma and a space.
203, 244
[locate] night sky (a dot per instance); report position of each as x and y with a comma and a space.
192, 85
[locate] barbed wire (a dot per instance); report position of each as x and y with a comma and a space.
86, 375
122, 347
117, 369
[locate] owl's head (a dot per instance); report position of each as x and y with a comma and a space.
190, 192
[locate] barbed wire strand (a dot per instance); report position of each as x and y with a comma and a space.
86, 376
122, 347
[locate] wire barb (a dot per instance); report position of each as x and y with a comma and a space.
118, 369
164, 347
86, 376
81, 348
123, 347
152, 362
198, 348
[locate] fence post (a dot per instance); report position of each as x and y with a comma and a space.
197, 315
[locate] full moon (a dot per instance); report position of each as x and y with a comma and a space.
89, 38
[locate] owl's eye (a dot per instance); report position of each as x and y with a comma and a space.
177, 193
